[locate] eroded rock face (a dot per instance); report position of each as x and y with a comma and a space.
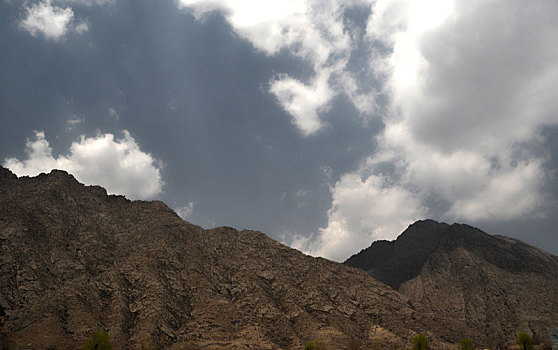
472, 284
74, 259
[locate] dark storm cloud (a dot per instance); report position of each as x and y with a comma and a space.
324, 140
194, 95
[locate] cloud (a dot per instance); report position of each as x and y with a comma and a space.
303, 102
51, 21
463, 88
186, 211
489, 184
114, 113
81, 27
314, 31
73, 122
88, 2
362, 211
469, 87
273, 25
475, 76
510, 194
119, 165
301, 199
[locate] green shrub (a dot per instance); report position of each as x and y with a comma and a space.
98, 340
314, 345
466, 344
524, 341
420, 342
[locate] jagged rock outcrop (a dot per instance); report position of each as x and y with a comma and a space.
74, 259
469, 283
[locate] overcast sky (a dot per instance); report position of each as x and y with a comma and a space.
325, 124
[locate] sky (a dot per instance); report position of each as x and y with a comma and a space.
325, 124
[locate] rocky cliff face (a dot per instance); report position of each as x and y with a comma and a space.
74, 259
484, 287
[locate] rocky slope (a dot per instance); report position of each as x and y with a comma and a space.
484, 287
74, 259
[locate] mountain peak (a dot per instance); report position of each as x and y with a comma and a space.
462, 274
402, 259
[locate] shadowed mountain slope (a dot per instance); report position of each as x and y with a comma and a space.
482, 286
74, 259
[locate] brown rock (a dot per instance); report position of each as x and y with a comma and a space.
470, 284
74, 259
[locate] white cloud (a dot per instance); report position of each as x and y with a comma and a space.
313, 30
74, 121
88, 2
114, 113
487, 184
364, 210
269, 25
51, 21
303, 102
186, 211
512, 193
81, 27
485, 73
470, 85
119, 165
301, 199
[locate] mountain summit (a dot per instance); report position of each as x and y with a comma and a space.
487, 287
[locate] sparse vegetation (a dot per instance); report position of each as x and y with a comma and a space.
524, 341
98, 340
314, 345
466, 344
377, 344
420, 342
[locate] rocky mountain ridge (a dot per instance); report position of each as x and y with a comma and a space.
489, 287
74, 259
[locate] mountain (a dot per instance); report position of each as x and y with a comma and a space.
74, 259
484, 287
